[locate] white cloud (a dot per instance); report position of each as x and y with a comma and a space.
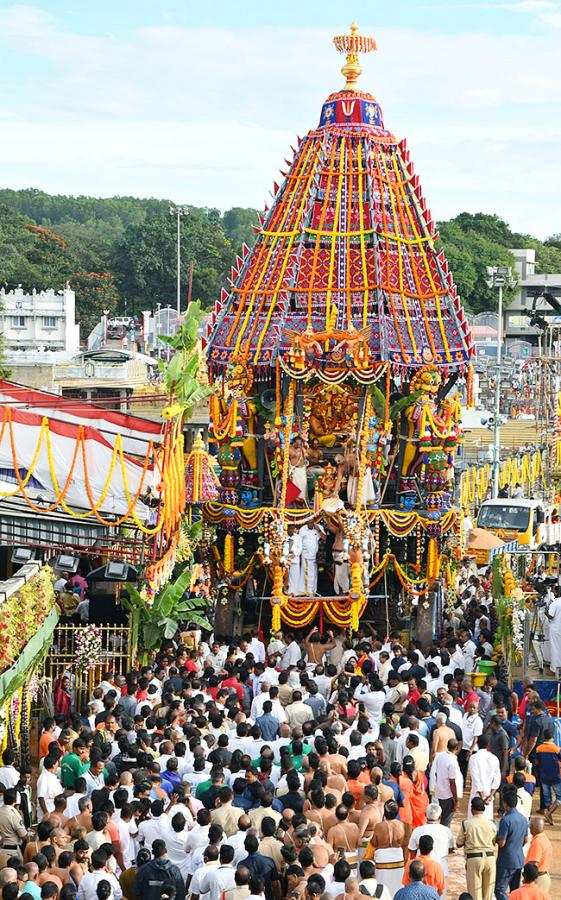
206, 115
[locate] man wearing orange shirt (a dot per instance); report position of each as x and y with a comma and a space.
540, 853
355, 783
434, 873
47, 738
530, 889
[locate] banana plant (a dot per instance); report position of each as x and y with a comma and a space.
181, 374
153, 624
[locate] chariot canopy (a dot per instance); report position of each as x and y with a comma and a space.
344, 274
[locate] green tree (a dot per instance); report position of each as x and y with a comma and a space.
471, 243
238, 225
146, 259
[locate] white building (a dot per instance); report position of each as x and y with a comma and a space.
42, 320
516, 316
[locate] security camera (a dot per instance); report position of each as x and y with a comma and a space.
487, 421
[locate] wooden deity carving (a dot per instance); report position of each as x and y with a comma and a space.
333, 415
433, 433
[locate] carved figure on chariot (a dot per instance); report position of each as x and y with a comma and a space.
334, 356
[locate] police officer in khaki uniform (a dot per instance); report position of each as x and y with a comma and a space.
477, 836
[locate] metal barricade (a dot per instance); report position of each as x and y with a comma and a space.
116, 656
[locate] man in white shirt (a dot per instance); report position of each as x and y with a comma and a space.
485, 775
295, 557
310, 537
87, 889
323, 682
257, 647
401, 744
208, 864
442, 836
48, 787
292, 653
373, 696
260, 699
445, 779
175, 834
9, 775
151, 829
217, 879
277, 645
94, 777
472, 727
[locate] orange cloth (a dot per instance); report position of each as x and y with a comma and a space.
540, 852
356, 787
529, 892
527, 776
45, 740
419, 802
434, 874
405, 811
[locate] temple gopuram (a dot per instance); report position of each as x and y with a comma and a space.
336, 359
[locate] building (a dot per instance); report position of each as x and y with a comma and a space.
42, 320
530, 285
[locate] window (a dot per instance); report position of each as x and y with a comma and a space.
18, 321
49, 322
511, 518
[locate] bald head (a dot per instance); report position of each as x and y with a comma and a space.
8, 876
537, 825
417, 870
352, 889
32, 870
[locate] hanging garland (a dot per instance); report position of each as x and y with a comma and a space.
168, 463
527, 471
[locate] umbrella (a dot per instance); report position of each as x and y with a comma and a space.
480, 539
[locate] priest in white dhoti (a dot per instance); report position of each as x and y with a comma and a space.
295, 561
485, 773
554, 616
310, 536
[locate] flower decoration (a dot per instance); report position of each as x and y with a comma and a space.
88, 647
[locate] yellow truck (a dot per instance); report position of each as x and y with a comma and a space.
533, 523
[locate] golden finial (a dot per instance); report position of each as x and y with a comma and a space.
352, 44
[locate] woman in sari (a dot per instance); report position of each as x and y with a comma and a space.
418, 797
62, 696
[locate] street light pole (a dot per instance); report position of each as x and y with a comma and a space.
179, 211
497, 425
498, 276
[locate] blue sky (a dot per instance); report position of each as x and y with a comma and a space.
200, 102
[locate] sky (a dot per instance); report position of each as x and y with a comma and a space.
200, 102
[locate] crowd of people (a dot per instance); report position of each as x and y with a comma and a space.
318, 767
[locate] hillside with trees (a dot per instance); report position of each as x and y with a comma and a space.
120, 253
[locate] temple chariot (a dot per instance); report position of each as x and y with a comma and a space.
336, 359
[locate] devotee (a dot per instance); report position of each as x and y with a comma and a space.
485, 775
540, 852
248, 757
294, 556
511, 837
310, 537
416, 889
